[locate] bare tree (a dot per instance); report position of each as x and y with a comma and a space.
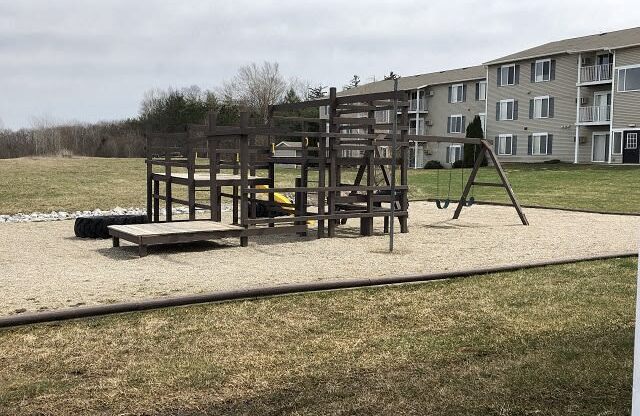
257, 87
1, 124
300, 87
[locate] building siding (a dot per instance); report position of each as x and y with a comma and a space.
439, 110
562, 125
626, 105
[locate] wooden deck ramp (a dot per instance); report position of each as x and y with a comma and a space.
172, 232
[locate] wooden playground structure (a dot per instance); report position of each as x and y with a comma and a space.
237, 163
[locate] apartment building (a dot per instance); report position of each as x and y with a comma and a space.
576, 100
441, 104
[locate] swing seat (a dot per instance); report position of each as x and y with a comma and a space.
442, 205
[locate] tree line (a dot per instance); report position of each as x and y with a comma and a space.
254, 88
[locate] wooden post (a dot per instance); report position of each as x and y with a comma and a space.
322, 172
212, 142
271, 170
168, 203
156, 200
333, 168
191, 172
366, 223
404, 168
244, 175
149, 158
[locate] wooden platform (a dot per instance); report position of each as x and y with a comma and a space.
202, 179
172, 232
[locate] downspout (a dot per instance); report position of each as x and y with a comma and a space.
575, 155
613, 90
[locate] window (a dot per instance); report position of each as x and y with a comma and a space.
506, 110
542, 70
483, 120
541, 107
457, 93
629, 79
505, 142
456, 124
481, 90
539, 144
617, 143
632, 141
508, 75
454, 153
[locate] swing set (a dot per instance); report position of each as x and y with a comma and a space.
467, 198
444, 204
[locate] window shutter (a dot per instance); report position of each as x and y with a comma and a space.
550, 144
530, 145
551, 107
531, 106
498, 111
533, 71
450, 88
447, 157
496, 144
552, 70
516, 79
464, 92
515, 110
477, 91
448, 124
464, 126
514, 145
499, 77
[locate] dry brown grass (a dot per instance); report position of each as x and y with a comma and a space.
549, 341
81, 183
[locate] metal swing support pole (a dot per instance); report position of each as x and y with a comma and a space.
393, 163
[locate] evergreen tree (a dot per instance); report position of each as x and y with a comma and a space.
354, 82
291, 97
474, 130
391, 75
317, 92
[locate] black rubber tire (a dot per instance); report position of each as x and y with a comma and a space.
97, 227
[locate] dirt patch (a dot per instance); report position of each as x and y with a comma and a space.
43, 266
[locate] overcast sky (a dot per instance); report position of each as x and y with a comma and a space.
85, 60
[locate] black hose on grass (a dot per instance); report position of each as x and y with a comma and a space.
288, 289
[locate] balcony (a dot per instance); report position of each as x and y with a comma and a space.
420, 131
413, 104
595, 114
596, 73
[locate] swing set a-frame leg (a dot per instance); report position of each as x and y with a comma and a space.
487, 150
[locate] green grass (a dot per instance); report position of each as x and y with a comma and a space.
45, 184
547, 341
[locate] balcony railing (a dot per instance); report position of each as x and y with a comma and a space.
596, 73
417, 131
413, 104
595, 114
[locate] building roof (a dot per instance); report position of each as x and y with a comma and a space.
285, 143
602, 41
418, 81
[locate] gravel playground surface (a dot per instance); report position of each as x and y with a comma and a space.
43, 266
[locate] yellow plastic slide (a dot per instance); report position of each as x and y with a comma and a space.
284, 202
280, 199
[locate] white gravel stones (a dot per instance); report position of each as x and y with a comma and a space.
63, 215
